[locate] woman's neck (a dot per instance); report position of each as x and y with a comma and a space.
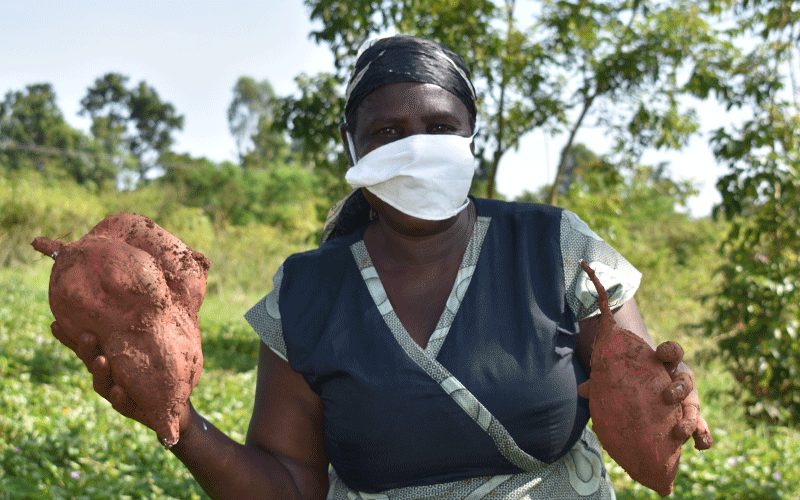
412, 246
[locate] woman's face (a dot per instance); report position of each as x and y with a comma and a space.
399, 110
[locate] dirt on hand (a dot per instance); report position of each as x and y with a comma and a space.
630, 414
138, 289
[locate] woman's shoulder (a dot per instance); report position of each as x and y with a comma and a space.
326, 253
319, 270
498, 208
517, 216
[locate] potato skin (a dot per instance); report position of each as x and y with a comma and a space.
138, 289
629, 414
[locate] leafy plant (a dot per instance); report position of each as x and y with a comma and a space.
756, 313
35, 136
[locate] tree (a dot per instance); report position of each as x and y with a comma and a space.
279, 195
624, 60
154, 120
616, 61
756, 314
251, 117
514, 95
107, 104
131, 120
34, 134
312, 120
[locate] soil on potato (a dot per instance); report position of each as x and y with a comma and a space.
629, 414
138, 289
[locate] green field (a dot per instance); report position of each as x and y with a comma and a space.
631, 75
58, 439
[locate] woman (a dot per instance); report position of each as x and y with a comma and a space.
432, 346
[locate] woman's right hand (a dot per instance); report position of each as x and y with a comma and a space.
278, 460
90, 352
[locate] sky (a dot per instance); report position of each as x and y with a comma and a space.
193, 52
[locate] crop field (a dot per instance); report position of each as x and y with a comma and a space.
60, 440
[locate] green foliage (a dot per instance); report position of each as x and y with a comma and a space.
312, 121
107, 104
130, 120
282, 195
154, 120
244, 255
35, 136
33, 117
269, 146
756, 314
626, 60
308, 121
251, 116
32, 206
635, 212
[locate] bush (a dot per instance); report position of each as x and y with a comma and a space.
244, 257
756, 314
31, 206
285, 196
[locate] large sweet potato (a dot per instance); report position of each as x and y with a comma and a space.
630, 415
138, 290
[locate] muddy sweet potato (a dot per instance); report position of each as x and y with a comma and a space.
138, 289
630, 414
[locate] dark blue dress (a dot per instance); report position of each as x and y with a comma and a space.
495, 390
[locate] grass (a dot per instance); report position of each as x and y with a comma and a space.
745, 462
59, 440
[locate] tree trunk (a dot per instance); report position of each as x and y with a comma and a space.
552, 197
501, 125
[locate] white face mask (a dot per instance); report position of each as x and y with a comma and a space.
426, 176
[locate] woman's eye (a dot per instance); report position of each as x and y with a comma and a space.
387, 131
442, 129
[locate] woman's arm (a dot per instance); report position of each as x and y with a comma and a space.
282, 457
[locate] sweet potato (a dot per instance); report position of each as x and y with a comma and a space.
630, 414
138, 289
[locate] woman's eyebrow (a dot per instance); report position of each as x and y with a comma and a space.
427, 118
380, 121
441, 116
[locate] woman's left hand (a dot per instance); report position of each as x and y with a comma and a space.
683, 390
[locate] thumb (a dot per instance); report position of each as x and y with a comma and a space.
671, 354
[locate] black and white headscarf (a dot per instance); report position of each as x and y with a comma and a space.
404, 58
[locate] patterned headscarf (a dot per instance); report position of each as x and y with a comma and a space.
404, 58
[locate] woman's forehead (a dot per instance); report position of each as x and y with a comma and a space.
408, 99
